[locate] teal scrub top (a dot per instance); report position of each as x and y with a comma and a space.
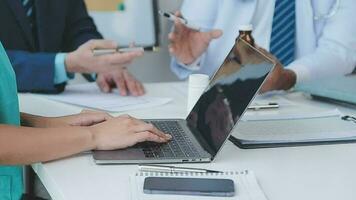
11, 183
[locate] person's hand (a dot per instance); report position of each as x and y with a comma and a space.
85, 118
280, 78
187, 44
123, 132
121, 79
83, 60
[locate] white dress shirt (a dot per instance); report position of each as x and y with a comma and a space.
323, 47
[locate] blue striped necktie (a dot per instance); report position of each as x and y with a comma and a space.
28, 7
283, 31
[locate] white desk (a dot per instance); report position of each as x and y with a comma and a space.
317, 172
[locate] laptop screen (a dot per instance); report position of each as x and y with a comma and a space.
228, 95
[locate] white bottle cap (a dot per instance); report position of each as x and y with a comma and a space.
246, 27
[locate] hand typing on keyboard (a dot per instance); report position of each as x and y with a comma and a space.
179, 147
125, 131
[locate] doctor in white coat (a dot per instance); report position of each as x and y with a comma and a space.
324, 37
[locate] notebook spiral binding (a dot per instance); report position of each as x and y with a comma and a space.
180, 174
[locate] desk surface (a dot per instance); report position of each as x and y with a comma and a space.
316, 172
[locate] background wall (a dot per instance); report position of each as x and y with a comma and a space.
154, 67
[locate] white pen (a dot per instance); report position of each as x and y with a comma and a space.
169, 169
100, 52
264, 106
173, 18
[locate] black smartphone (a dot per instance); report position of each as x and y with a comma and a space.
189, 186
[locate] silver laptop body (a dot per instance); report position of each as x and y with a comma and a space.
201, 136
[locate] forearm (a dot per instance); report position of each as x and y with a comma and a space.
321, 64
34, 71
33, 120
24, 145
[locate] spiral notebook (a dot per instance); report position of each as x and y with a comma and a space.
246, 186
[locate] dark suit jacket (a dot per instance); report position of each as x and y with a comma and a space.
61, 26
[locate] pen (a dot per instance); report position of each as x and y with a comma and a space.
349, 118
264, 106
161, 168
173, 18
100, 52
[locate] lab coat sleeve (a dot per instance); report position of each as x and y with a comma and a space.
203, 15
335, 54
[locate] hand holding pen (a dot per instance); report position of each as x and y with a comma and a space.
187, 42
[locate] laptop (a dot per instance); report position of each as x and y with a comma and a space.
201, 136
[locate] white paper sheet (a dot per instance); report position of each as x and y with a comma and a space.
271, 116
90, 96
246, 186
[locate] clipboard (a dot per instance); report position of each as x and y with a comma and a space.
336, 130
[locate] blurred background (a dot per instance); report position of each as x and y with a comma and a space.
153, 66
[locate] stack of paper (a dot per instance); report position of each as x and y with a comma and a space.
90, 96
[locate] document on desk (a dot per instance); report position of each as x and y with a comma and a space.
287, 110
291, 114
89, 95
246, 186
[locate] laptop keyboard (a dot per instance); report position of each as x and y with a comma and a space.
179, 146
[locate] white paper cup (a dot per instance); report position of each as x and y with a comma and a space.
196, 86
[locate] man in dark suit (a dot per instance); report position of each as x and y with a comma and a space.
50, 40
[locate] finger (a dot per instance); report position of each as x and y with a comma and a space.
147, 136
102, 44
87, 111
93, 119
122, 58
208, 36
178, 26
151, 128
178, 14
99, 114
94, 112
215, 34
125, 116
103, 85
141, 88
120, 84
89, 118
130, 83
172, 37
171, 50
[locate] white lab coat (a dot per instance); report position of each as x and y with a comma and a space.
323, 47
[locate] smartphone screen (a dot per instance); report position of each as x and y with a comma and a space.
189, 186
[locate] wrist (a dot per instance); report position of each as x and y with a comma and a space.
289, 79
93, 134
70, 63
86, 138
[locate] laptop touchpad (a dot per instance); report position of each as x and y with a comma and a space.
125, 154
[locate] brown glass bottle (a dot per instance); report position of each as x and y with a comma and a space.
246, 34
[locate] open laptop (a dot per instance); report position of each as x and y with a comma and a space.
201, 136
